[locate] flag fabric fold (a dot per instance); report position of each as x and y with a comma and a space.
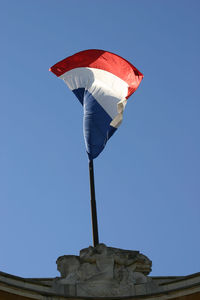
102, 82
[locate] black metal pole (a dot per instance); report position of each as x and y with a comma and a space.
93, 205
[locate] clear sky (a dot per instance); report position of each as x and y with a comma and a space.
148, 176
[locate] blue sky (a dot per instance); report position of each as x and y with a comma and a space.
147, 178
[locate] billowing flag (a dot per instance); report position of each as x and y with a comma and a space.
102, 82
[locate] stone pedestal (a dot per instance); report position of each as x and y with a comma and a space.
103, 271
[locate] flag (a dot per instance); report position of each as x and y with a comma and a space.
102, 81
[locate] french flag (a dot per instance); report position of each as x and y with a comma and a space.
102, 81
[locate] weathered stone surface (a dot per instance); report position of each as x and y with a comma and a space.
103, 271
159, 288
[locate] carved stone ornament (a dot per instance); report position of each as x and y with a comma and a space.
102, 271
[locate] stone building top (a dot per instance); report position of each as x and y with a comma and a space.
102, 272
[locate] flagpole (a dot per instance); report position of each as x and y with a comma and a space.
93, 205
